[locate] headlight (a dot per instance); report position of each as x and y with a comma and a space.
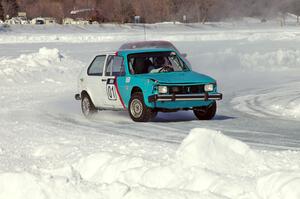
162, 89
208, 87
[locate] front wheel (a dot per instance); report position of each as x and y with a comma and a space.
138, 111
87, 106
207, 112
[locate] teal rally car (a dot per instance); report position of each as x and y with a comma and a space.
144, 82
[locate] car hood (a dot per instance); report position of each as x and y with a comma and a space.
179, 77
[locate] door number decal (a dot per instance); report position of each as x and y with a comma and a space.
111, 89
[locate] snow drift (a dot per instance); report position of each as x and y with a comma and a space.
121, 33
280, 60
211, 149
207, 164
279, 185
258, 60
46, 65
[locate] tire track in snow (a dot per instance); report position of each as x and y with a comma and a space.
279, 102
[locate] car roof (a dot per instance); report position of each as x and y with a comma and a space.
143, 44
148, 44
143, 50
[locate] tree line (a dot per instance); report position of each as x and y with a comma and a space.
150, 11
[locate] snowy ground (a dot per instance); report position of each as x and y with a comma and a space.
250, 150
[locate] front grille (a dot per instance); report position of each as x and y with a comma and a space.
194, 89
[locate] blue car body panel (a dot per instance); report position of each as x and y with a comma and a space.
148, 83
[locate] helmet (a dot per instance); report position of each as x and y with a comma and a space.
160, 61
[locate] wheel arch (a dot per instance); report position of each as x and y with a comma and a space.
85, 92
135, 89
146, 113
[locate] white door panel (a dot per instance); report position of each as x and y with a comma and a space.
113, 68
97, 90
96, 81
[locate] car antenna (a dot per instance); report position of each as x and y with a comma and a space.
144, 21
145, 33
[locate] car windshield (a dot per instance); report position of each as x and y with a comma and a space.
155, 62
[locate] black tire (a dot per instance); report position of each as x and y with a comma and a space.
87, 106
207, 112
137, 109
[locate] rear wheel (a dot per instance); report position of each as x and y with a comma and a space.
138, 111
87, 106
207, 112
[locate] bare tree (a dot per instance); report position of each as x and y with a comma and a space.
294, 8
10, 7
1, 11
152, 11
126, 11
177, 9
203, 7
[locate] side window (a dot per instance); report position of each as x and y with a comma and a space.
115, 66
96, 68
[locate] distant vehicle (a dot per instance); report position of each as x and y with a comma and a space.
43, 20
67, 21
38, 21
144, 82
17, 20
49, 20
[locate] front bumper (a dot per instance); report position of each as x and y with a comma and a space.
185, 97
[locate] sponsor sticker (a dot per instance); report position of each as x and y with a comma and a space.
111, 89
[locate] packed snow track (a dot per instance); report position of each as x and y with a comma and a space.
282, 101
249, 150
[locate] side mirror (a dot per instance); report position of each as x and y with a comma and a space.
184, 55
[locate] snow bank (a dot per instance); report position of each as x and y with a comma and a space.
19, 185
108, 167
280, 60
208, 148
208, 164
165, 31
257, 60
47, 65
24, 185
151, 35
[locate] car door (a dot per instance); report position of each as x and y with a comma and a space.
96, 81
114, 69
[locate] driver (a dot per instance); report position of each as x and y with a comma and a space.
159, 64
